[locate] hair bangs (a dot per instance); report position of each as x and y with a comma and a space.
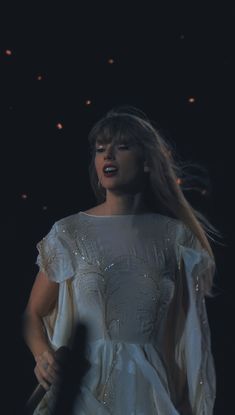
118, 130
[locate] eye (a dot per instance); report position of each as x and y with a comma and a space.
100, 149
122, 146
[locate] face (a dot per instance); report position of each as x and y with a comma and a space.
128, 158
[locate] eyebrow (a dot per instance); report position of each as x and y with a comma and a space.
121, 141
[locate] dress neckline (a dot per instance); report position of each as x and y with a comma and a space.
113, 216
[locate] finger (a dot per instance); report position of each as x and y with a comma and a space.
51, 376
54, 379
51, 360
56, 366
49, 370
45, 384
47, 375
44, 373
46, 356
52, 372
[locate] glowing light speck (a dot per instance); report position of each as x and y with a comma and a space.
179, 181
88, 102
8, 52
39, 77
111, 61
24, 196
191, 100
59, 126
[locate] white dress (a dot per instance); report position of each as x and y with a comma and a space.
128, 278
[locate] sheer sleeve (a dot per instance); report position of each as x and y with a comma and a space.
188, 340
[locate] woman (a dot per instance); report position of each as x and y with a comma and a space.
135, 270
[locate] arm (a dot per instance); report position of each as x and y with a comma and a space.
193, 341
173, 344
42, 300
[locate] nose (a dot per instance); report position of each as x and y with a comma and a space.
109, 153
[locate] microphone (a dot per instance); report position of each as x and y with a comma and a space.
61, 355
74, 365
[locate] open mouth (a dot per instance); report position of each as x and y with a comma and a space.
110, 171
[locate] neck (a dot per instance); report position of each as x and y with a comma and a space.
124, 204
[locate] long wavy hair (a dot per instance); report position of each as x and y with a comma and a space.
167, 179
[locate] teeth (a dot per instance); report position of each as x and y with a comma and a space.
107, 169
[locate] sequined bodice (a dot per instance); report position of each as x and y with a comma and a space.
123, 277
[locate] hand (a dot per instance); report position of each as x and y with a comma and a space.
47, 369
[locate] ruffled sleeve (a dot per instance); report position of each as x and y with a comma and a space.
191, 364
56, 258
54, 255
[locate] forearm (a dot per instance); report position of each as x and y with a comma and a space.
34, 334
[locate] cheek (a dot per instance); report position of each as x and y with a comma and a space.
131, 164
97, 163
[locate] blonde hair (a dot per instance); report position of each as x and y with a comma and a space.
167, 178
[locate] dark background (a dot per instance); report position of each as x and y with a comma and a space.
55, 68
